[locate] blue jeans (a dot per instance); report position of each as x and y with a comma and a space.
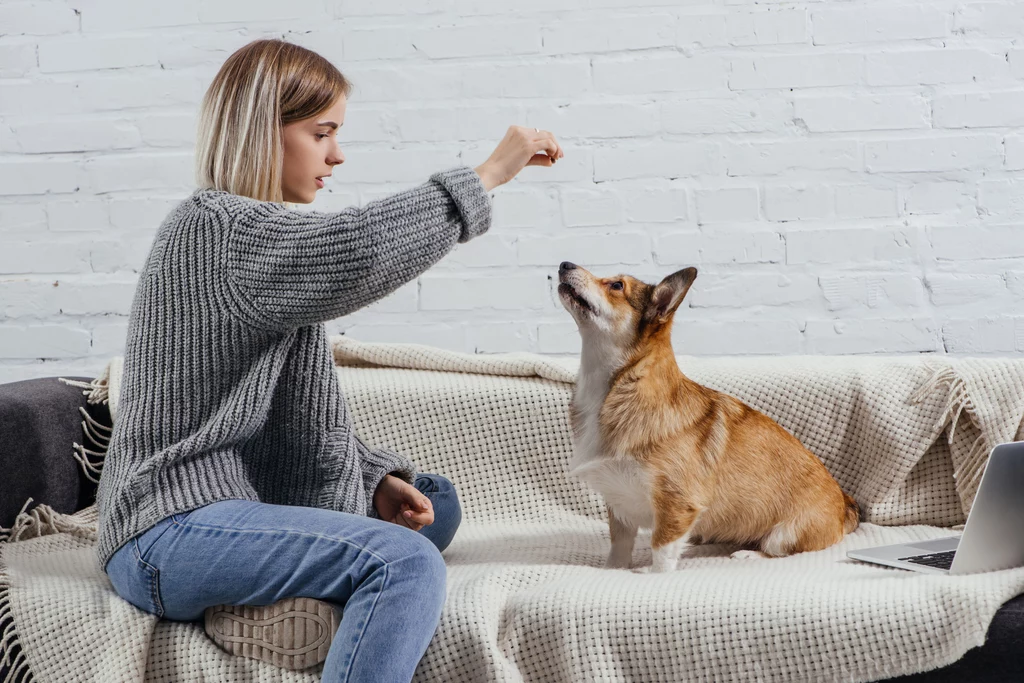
390, 580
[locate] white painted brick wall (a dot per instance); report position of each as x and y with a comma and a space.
845, 175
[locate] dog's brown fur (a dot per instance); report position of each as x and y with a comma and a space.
718, 470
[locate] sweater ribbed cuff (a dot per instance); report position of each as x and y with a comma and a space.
376, 464
472, 200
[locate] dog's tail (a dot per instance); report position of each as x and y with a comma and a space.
852, 519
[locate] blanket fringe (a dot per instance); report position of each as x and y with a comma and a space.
42, 520
958, 401
6, 534
96, 435
974, 464
91, 460
12, 654
96, 391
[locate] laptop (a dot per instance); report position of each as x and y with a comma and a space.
993, 537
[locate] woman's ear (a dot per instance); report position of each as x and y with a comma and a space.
669, 293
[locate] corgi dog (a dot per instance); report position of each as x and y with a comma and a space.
668, 454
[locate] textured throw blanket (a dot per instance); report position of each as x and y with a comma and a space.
528, 599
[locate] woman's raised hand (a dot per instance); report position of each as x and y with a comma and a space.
519, 148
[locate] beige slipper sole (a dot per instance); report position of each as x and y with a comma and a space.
294, 633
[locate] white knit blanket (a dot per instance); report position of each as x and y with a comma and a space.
527, 597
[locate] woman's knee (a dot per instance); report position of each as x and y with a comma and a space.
417, 563
424, 555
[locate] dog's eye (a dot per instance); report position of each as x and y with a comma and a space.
617, 285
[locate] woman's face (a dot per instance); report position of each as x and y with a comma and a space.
311, 151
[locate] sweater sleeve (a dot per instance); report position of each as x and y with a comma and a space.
289, 268
376, 463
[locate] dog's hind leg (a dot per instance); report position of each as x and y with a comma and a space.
781, 540
807, 532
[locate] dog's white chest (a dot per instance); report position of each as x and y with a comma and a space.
625, 486
621, 480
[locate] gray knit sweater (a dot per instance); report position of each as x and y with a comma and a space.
229, 389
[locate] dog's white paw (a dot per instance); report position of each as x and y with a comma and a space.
748, 555
643, 570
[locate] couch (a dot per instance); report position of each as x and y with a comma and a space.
40, 419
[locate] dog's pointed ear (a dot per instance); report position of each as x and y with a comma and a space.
669, 293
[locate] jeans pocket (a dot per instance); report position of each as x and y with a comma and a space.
135, 580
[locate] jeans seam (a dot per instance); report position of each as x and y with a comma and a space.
362, 632
164, 531
361, 549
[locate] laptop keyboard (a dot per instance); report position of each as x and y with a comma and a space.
937, 560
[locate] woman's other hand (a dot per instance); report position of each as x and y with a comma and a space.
399, 502
519, 148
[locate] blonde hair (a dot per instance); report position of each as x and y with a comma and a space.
260, 88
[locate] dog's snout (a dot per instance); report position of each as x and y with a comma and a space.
566, 265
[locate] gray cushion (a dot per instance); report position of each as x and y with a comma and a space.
39, 422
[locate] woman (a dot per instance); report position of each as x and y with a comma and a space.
234, 476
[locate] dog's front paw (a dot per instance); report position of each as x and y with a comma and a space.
618, 562
660, 568
748, 555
